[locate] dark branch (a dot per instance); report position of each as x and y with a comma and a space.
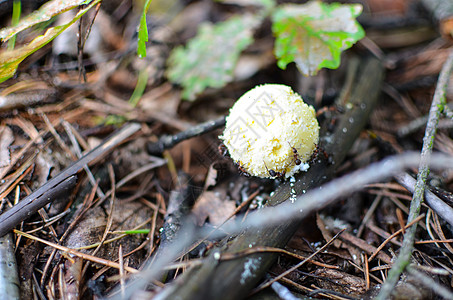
168, 141
62, 182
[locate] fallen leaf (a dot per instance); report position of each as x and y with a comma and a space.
214, 206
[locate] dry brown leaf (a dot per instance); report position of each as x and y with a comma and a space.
214, 206
341, 282
211, 178
91, 229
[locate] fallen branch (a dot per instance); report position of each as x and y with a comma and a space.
61, 183
435, 203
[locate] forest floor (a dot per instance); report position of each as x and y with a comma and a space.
134, 200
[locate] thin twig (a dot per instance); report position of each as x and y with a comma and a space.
77, 253
326, 194
434, 114
435, 203
368, 215
121, 263
394, 235
265, 285
168, 141
262, 249
79, 155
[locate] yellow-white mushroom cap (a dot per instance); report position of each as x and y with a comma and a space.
263, 127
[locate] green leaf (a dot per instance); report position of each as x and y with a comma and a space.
209, 59
143, 31
314, 34
43, 14
136, 231
10, 59
139, 87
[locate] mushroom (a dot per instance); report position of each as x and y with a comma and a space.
271, 132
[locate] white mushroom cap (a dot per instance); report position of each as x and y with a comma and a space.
263, 127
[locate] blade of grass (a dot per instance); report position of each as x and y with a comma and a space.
139, 87
15, 20
143, 31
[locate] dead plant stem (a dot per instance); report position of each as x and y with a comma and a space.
436, 109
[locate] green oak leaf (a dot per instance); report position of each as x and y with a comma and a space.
314, 34
209, 59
